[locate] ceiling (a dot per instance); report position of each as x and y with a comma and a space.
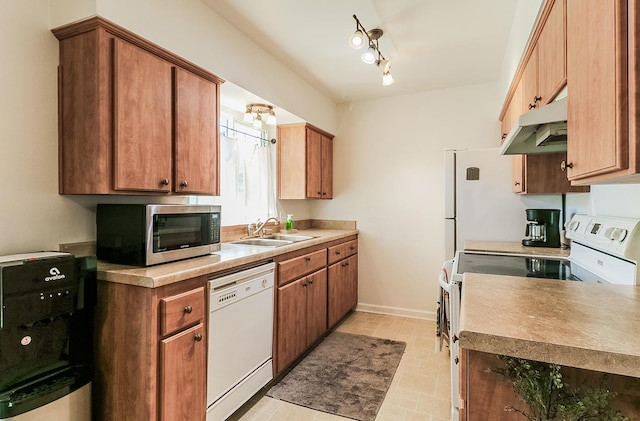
432, 44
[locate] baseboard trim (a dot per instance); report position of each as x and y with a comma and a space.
396, 311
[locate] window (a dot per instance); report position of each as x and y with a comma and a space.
247, 188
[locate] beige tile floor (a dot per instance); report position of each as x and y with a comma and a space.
420, 387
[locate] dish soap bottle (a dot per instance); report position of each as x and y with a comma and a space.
289, 226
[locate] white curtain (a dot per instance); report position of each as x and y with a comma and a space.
247, 187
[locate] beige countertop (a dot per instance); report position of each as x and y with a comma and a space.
578, 324
229, 257
512, 247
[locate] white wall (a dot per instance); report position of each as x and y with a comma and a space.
388, 175
32, 214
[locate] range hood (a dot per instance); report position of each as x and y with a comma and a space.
539, 131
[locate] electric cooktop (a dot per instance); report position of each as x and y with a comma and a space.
525, 266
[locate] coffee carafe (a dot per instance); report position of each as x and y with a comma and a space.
543, 228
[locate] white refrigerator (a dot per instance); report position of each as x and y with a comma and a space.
479, 201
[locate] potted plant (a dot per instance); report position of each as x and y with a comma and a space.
548, 396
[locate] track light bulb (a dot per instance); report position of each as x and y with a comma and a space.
387, 79
357, 40
369, 56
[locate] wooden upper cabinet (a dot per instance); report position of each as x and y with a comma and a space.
327, 167
305, 162
133, 117
517, 171
545, 71
196, 134
552, 53
513, 111
538, 80
142, 119
529, 83
602, 77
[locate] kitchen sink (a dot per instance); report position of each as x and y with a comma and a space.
289, 237
273, 240
268, 242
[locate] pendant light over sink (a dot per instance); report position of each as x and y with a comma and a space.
372, 55
254, 115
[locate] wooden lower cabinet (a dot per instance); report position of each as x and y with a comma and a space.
301, 316
485, 394
151, 352
182, 357
343, 288
317, 287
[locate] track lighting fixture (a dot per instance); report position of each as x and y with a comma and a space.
372, 54
254, 112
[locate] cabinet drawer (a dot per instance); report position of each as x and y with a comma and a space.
299, 266
181, 310
343, 250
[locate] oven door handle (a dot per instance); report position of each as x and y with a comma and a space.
443, 279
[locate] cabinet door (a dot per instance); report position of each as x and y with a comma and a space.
314, 164
292, 323
552, 58
513, 111
327, 168
529, 82
351, 299
196, 134
183, 376
316, 286
518, 164
342, 289
597, 77
486, 393
142, 120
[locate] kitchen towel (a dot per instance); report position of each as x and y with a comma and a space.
346, 375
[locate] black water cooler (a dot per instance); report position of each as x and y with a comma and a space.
47, 303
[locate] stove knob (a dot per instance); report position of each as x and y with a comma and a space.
619, 234
609, 233
572, 225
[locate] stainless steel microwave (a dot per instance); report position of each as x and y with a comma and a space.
144, 235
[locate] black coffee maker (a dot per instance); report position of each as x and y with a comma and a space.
543, 228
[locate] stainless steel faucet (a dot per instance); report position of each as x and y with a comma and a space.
256, 229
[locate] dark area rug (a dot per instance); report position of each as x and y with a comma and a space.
346, 375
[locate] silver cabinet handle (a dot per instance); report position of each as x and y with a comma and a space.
198, 337
188, 309
184, 184
164, 182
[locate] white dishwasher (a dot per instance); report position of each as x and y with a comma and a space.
240, 338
